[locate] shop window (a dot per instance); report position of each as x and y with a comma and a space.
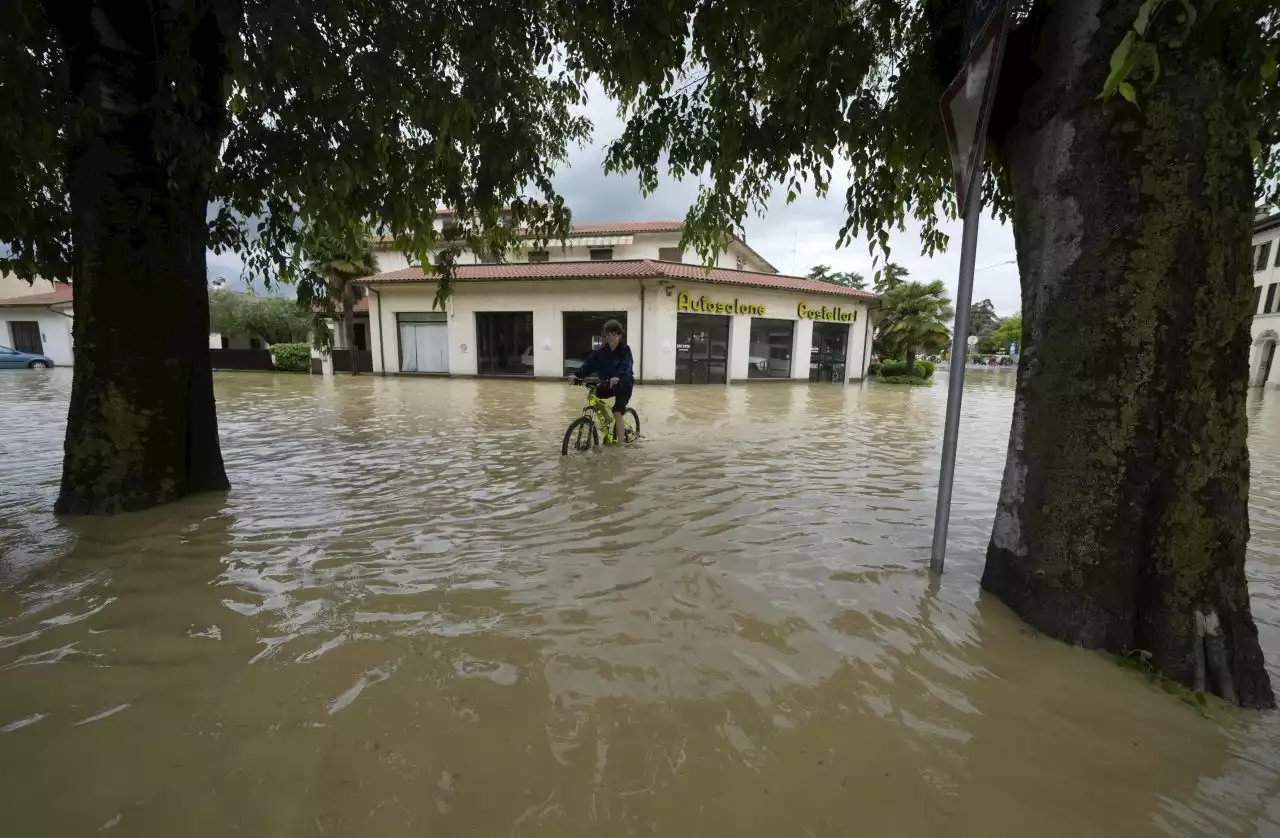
504, 343
1264, 253
539, 256
583, 332
770, 352
670, 254
601, 254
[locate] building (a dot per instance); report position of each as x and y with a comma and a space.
1266, 300
541, 313
36, 317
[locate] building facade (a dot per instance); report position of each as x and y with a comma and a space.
1266, 300
541, 315
36, 317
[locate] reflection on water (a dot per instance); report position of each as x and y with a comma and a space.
411, 616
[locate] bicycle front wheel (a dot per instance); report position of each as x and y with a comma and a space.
581, 436
631, 425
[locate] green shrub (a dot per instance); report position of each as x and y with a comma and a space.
896, 372
873, 369
892, 369
292, 357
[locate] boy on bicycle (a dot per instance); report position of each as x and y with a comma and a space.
612, 362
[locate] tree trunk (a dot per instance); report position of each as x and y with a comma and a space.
911, 362
142, 428
349, 323
1123, 510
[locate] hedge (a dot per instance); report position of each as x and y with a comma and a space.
896, 372
292, 357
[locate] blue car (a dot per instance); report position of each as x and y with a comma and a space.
12, 359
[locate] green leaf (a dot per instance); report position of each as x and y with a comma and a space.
1126, 90
1145, 14
1120, 62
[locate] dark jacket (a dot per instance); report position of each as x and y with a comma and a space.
607, 363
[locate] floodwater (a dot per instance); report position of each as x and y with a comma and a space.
411, 617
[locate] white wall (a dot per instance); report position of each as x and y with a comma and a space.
651, 321
640, 246
55, 330
547, 300
1265, 323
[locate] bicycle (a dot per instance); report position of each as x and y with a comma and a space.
584, 433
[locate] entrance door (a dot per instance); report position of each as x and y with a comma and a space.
26, 336
702, 349
504, 343
830, 348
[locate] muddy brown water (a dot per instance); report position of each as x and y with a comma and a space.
411, 617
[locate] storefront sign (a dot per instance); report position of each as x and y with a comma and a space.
837, 314
705, 306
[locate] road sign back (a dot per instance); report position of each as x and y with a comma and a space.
967, 101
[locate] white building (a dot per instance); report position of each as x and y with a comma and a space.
36, 317
541, 313
1266, 300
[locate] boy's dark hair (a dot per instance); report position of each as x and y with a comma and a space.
613, 327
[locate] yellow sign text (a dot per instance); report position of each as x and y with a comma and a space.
686, 303
837, 314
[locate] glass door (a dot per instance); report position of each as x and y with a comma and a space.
702, 349
504, 343
827, 356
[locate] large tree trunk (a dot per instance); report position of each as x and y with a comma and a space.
142, 428
1123, 510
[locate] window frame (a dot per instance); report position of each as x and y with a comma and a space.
591, 254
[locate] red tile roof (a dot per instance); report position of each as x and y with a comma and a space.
650, 268
61, 293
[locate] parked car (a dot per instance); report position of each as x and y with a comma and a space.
12, 359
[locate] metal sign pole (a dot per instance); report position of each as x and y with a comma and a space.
955, 378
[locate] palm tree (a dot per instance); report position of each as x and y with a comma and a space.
338, 261
890, 277
915, 318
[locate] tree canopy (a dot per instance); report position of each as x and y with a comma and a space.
336, 111
915, 318
772, 96
848, 279
273, 319
1009, 332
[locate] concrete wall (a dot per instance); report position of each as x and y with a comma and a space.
55, 330
641, 246
651, 306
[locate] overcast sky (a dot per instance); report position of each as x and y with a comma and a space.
793, 238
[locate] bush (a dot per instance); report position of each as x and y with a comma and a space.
292, 357
896, 372
873, 369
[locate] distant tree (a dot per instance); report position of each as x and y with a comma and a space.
889, 277
335, 257
271, 319
915, 319
1010, 331
983, 319
846, 279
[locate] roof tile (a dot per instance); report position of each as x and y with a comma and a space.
61, 293
626, 268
